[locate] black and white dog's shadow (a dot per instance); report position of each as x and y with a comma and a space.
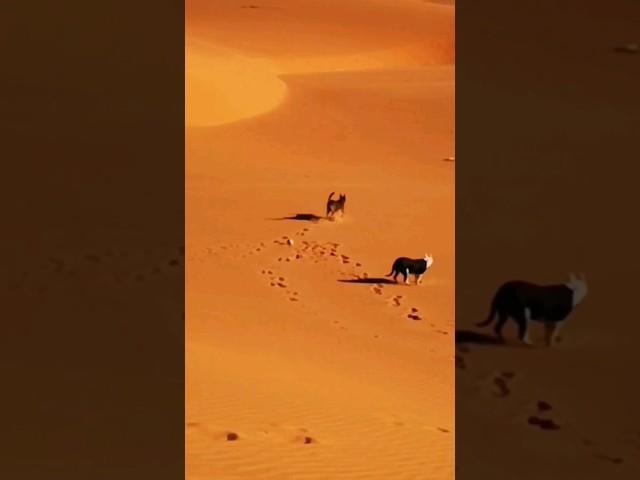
369, 281
469, 337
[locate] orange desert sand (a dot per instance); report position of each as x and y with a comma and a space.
294, 370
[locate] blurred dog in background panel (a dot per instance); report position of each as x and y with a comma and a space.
525, 301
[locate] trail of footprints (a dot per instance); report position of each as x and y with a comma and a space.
397, 301
541, 417
277, 281
313, 251
273, 430
90, 265
316, 252
501, 383
538, 418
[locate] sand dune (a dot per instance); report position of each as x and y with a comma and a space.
302, 362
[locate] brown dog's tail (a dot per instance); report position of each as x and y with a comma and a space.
329, 202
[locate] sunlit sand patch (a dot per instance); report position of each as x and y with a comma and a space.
222, 86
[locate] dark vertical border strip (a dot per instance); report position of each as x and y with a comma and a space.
546, 183
92, 292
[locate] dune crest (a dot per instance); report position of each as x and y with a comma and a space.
236, 53
224, 86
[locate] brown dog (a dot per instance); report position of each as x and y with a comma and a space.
334, 206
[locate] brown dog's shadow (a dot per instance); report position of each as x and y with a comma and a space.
302, 217
466, 337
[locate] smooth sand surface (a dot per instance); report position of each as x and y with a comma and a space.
302, 362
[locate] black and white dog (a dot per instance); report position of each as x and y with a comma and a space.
334, 206
410, 266
525, 301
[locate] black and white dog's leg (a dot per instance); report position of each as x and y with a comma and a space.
523, 326
395, 275
551, 332
502, 319
406, 276
418, 279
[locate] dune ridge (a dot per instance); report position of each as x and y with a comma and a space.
229, 76
223, 85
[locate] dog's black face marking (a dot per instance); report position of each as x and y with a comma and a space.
334, 206
410, 266
524, 301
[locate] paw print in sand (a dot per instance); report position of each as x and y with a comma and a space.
280, 282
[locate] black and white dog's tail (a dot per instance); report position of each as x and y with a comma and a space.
492, 314
393, 269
